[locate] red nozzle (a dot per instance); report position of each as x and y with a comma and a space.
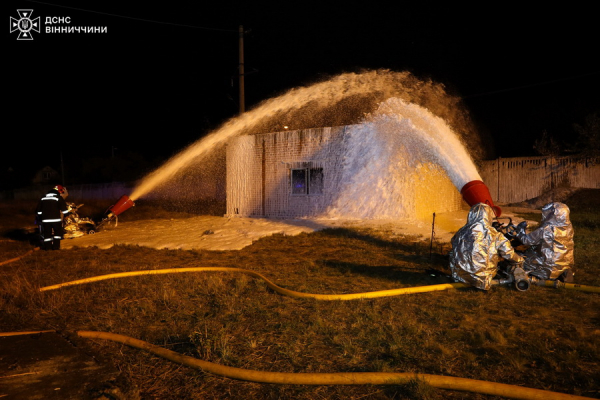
124, 203
476, 192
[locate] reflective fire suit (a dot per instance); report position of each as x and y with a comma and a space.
551, 251
477, 248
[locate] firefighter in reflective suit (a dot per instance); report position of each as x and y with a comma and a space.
51, 210
550, 255
477, 248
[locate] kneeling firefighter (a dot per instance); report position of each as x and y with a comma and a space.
49, 214
550, 255
477, 248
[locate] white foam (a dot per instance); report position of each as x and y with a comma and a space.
398, 135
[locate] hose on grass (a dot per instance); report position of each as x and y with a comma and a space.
278, 289
17, 258
333, 378
570, 286
294, 294
301, 295
6, 334
340, 378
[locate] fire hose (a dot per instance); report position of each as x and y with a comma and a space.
360, 378
301, 295
18, 258
335, 378
342, 378
273, 286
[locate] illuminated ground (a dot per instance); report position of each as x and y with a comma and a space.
220, 233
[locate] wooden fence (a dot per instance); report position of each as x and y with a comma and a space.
513, 180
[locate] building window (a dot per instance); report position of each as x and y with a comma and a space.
299, 184
315, 181
307, 181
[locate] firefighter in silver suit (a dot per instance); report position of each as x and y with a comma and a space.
477, 248
550, 255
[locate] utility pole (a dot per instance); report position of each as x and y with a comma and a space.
432, 236
62, 168
241, 70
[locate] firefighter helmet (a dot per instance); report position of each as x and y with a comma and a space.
60, 188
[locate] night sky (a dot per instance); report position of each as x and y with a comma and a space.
164, 74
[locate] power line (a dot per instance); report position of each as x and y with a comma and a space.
132, 18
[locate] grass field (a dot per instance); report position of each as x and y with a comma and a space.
543, 338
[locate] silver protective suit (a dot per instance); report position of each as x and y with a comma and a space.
477, 247
551, 245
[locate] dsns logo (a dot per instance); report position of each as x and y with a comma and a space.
25, 25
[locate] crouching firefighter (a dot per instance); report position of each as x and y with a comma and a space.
550, 255
477, 248
51, 210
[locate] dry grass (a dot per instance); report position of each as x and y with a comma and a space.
543, 338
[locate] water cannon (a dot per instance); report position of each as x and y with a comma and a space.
123, 204
476, 192
111, 214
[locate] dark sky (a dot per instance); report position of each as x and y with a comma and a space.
165, 73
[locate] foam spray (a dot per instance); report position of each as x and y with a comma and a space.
400, 120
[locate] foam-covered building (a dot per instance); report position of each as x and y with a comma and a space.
351, 171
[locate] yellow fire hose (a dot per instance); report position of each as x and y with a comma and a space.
571, 286
5, 334
18, 258
291, 293
280, 290
343, 378
300, 295
339, 378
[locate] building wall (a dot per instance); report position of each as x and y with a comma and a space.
259, 172
304, 149
244, 177
518, 179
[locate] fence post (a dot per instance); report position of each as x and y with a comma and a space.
498, 179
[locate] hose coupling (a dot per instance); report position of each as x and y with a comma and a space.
522, 282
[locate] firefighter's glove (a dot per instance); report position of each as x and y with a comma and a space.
521, 228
